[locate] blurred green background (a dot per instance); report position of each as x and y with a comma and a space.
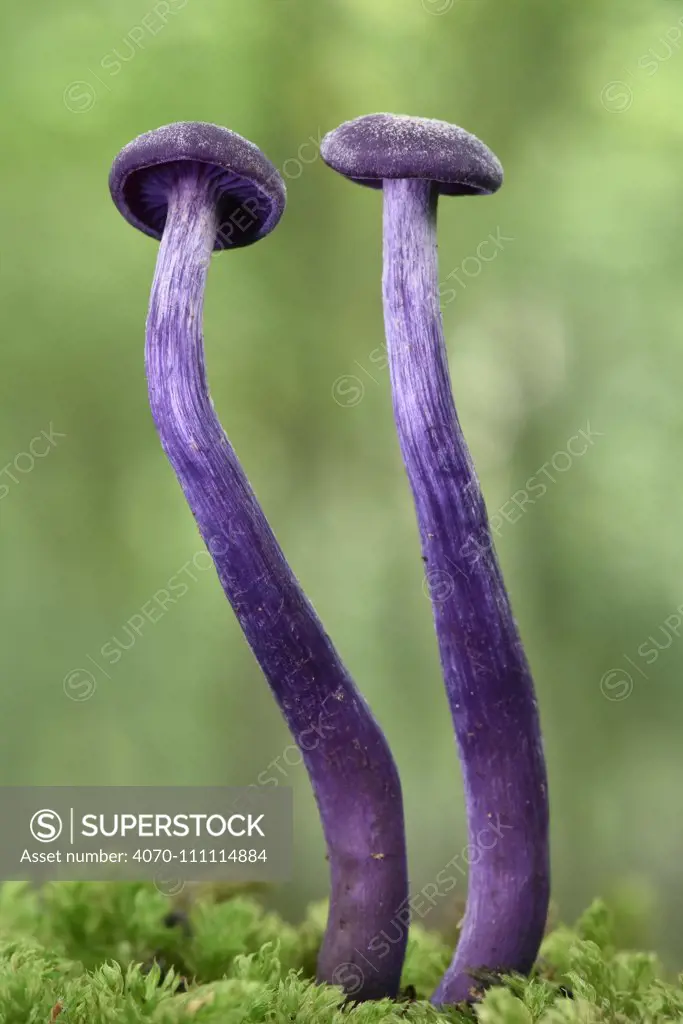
577, 322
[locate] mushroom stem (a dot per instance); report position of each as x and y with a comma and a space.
488, 682
352, 771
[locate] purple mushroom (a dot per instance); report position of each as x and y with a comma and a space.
487, 677
199, 187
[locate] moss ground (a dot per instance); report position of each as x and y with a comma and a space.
98, 954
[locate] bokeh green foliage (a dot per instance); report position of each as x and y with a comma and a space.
577, 321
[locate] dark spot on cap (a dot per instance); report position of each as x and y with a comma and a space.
380, 146
249, 192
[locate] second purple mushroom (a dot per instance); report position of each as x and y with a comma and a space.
488, 682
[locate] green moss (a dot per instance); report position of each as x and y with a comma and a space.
93, 954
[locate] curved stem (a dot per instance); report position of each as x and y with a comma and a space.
488, 683
353, 774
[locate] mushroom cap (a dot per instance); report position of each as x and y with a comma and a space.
249, 192
378, 146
